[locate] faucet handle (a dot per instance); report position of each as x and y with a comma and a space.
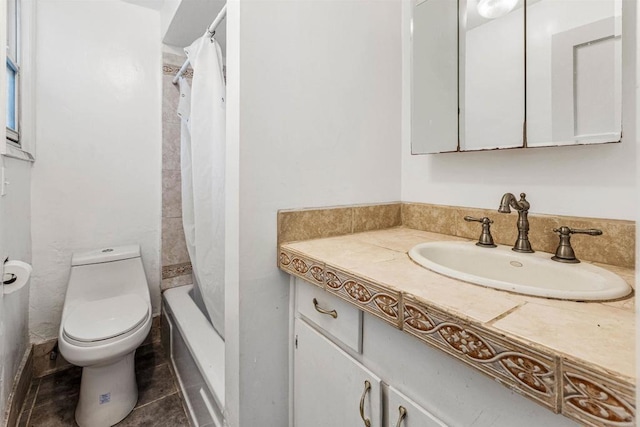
564, 230
565, 252
482, 220
485, 240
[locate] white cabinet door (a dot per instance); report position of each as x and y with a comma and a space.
404, 412
331, 389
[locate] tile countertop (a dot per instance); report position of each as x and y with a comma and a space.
597, 338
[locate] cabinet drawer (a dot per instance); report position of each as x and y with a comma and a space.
414, 414
336, 318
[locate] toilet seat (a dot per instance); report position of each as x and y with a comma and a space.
94, 322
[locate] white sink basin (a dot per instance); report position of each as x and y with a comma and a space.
529, 274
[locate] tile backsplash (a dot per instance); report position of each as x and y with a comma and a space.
616, 246
306, 224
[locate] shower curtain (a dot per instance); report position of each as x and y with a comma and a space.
202, 112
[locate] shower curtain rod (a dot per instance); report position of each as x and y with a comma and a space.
210, 32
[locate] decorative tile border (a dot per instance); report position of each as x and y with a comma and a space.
175, 270
303, 267
372, 298
616, 246
583, 394
529, 372
172, 70
596, 399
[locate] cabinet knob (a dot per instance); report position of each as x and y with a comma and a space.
367, 387
402, 413
319, 309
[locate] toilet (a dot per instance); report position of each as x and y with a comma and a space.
106, 316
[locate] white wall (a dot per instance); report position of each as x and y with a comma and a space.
97, 178
16, 235
317, 124
15, 242
3, 242
591, 181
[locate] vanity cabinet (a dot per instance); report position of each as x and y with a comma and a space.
331, 387
329, 372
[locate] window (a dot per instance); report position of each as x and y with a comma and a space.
13, 72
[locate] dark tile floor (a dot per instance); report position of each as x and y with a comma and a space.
51, 400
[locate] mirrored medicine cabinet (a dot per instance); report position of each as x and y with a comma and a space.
494, 74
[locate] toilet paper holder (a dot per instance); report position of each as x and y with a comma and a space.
12, 277
16, 276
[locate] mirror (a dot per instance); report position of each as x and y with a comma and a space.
574, 72
491, 71
493, 74
434, 107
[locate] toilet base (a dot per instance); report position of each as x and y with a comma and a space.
108, 393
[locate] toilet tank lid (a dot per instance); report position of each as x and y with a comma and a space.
97, 256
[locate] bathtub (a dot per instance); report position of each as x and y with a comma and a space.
196, 352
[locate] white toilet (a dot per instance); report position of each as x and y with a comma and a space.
106, 316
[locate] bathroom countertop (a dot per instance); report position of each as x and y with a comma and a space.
577, 358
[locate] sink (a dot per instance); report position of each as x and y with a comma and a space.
528, 274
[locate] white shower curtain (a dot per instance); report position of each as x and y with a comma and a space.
202, 110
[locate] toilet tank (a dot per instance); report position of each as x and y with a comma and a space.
98, 256
103, 273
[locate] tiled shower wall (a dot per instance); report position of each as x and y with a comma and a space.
176, 267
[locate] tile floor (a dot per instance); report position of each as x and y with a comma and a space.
51, 400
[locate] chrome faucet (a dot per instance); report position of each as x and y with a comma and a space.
522, 206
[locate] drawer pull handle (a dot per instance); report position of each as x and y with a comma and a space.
367, 387
403, 413
319, 309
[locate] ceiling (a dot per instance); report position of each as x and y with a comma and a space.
191, 20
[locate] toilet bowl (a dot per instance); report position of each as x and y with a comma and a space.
106, 316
